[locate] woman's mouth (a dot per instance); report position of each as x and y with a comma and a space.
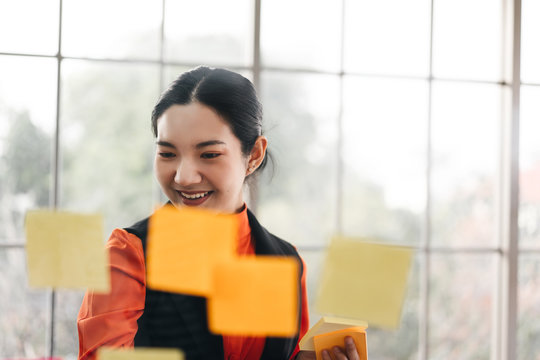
193, 198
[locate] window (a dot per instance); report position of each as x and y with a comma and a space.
385, 118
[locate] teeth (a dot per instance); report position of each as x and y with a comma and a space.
194, 196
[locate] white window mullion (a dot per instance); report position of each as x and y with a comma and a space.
424, 313
510, 185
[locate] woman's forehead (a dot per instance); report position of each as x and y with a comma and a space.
193, 124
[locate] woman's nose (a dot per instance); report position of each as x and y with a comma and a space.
187, 173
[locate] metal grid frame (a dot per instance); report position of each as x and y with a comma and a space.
504, 342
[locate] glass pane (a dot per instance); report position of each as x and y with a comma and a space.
29, 26
467, 39
27, 118
107, 140
119, 29
461, 306
465, 148
529, 175
529, 311
24, 315
384, 154
403, 342
387, 37
298, 202
209, 31
66, 340
301, 34
530, 38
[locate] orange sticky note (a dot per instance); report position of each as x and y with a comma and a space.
183, 247
325, 325
66, 250
255, 296
337, 338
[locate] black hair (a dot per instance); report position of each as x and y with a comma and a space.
230, 94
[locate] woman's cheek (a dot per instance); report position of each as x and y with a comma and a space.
164, 171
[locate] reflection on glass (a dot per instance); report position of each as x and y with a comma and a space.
209, 31
111, 29
27, 117
530, 38
403, 342
529, 171
384, 154
529, 311
23, 312
467, 39
29, 26
300, 117
461, 304
464, 163
66, 341
106, 139
303, 33
387, 37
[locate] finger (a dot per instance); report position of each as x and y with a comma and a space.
326, 355
350, 348
339, 354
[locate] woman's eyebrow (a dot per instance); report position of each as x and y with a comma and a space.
209, 143
165, 143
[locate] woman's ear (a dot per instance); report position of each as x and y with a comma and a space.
257, 154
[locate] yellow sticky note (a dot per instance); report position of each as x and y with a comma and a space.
255, 296
183, 247
364, 281
337, 338
325, 325
66, 250
105, 353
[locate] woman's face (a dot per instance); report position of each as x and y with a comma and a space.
199, 161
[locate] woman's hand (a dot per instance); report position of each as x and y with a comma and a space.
350, 352
306, 355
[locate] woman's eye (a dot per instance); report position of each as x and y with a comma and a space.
166, 155
210, 155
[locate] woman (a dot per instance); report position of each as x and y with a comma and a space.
208, 129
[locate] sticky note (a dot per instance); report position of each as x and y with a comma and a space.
255, 296
105, 353
183, 247
364, 281
66, 250
337, 338
325, 325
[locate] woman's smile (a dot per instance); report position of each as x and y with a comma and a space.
194, 198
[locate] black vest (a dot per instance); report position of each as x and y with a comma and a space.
179, 321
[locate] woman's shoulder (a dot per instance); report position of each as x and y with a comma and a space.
139, 229
267, 243
283, 243
129, 241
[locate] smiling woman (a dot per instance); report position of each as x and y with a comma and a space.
195, 147
208, 129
